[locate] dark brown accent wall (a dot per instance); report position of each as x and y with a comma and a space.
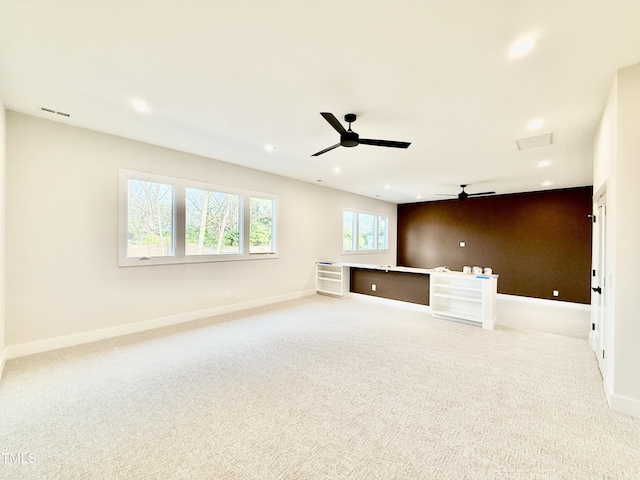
537, 242
407, 287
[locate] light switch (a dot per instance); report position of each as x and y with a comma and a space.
462, 244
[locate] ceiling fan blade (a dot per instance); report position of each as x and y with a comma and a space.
326, 150
384, 143
333, 121
481, 193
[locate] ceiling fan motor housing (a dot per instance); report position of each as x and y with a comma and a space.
349, 139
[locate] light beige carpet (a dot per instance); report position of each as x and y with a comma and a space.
317, 388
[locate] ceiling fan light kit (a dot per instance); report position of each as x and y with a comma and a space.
349, 138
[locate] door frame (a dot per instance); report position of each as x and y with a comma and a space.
599, 293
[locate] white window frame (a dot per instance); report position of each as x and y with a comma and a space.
356, 231
179, 221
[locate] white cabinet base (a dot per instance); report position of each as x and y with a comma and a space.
464, 297
332, 279
452, 295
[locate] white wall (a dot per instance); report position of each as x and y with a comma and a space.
627, 300
605, 141
605, 183
617, 165
3, 292
62, 273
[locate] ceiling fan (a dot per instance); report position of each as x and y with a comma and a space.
462, 196
349, 138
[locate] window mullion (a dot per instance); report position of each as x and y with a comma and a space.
180, 219
376, 232
244, 229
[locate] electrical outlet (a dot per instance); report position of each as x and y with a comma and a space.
373, 287
555, 293
463, 244
227, 294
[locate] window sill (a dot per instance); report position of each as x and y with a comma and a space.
363, 252
154, 261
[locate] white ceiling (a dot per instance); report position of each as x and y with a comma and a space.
224, 78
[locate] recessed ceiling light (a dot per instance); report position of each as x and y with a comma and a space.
418, 197
522, 47
387, 186
547, 183
337, 169
269, 148
544, 163
141, 106
535, 124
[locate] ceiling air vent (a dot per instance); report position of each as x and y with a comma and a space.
49, 110
535, 142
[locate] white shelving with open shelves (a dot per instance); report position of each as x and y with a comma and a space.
464, 297
332, 279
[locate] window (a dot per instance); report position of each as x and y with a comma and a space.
382, 233
364, 232
170, 220
261, 224
150, 219
212, 222
348, 227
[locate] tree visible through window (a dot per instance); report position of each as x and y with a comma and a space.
149, 219
370, 231
382, 233
366, 231
261, 223
166, 220
348, 227
212, 222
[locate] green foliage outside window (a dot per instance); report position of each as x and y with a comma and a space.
260, 225
212, 222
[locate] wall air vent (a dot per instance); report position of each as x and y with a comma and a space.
49, 110
535, 142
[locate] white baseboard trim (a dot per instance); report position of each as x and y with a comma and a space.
387, 301
21, 350
544, 301
3, 360
624, 405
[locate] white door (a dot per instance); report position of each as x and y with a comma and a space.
598, 287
